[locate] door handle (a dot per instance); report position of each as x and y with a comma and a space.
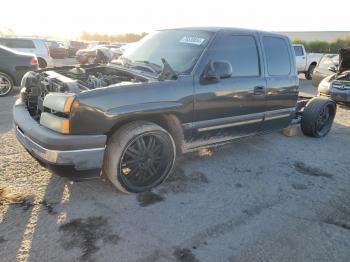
259, 90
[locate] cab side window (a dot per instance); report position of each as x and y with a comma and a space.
277, 56
241, 51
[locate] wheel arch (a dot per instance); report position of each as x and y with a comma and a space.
314, 63
43, 60
169, 121
9, 75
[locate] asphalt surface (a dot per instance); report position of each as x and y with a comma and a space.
266, 198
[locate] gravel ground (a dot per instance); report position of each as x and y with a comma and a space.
266, 198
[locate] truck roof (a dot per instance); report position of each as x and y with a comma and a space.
227, 29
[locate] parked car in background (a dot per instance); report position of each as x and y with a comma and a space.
74, 46
327, 66
93, 44
13, 65
30, 45
57, 50
98, 54
337, 85
199, 87
118, 44
306, 62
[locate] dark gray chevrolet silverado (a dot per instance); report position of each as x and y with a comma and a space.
175, 91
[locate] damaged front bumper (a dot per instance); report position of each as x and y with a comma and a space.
83, 152
340, 93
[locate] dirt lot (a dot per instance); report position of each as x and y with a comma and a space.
267, 198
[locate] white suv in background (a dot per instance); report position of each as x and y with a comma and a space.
30, 45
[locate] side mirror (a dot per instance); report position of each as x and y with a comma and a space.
218, 70
333, 68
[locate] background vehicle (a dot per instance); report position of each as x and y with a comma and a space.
199, 87
337, 85
74, 46
30, 45
13, 65
327, 66
102, 53
56, 50
93, 44
118, 44
306, 62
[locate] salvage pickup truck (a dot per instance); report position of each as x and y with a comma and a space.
306, 62
176, 91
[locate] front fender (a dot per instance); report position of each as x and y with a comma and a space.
100, 110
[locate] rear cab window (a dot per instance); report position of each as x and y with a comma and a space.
277, 56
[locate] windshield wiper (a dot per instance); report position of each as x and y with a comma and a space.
155, 68
167, 72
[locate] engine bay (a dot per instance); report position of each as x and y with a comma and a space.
97, 77
344, 76
73, 80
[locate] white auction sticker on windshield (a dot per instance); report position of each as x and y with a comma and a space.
192, 40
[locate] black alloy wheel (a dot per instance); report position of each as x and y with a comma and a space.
144, 160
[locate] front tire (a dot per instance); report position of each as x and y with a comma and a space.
318, 116
139, 156
6, 84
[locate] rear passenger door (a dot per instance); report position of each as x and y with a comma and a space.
282, 82
232, 106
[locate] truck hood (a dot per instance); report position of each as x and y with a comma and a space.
344, 60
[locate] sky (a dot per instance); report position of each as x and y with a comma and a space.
68, 18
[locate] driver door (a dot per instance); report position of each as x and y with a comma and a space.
234, 106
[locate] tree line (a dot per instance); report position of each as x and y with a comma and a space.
125, 38
323, 46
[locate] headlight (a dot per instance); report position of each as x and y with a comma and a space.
59, 102
60, 106
55, 123
28, 75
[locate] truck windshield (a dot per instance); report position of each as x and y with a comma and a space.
181, 48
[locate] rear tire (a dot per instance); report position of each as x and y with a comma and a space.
139, 156
310, 72
6, 84
318, 116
